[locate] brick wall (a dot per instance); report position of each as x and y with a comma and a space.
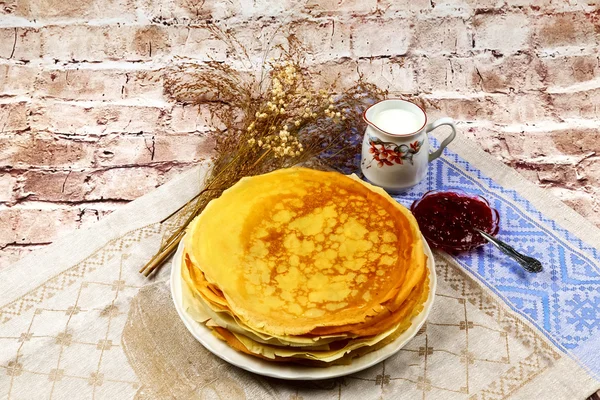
85, 125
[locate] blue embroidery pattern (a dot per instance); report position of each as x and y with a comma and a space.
564, 300
585, 312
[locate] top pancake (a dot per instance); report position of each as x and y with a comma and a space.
297, 249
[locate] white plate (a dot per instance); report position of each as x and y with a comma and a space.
291, 371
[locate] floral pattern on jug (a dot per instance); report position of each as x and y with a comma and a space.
389, 153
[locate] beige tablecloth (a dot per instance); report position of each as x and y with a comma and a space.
78, 321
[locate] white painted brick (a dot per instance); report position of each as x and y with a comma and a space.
94, 119
506, 33
16, 79
326, 40
396, 76
7, 185
381, 38
442, 36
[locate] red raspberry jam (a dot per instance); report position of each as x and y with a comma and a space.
447, 220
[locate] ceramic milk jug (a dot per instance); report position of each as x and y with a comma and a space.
395, 149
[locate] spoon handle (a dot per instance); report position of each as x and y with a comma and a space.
530, 264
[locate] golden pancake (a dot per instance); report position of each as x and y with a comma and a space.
342, 354
307, 345
297, 250
304, 266
391, 315
342, 347
198, 307
386, 318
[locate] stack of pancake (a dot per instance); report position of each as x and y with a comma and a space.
304, 266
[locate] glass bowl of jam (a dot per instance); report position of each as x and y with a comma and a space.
448, 219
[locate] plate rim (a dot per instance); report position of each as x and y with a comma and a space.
290, 371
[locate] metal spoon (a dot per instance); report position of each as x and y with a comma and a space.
529, 264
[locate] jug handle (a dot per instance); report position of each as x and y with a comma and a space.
436, 124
